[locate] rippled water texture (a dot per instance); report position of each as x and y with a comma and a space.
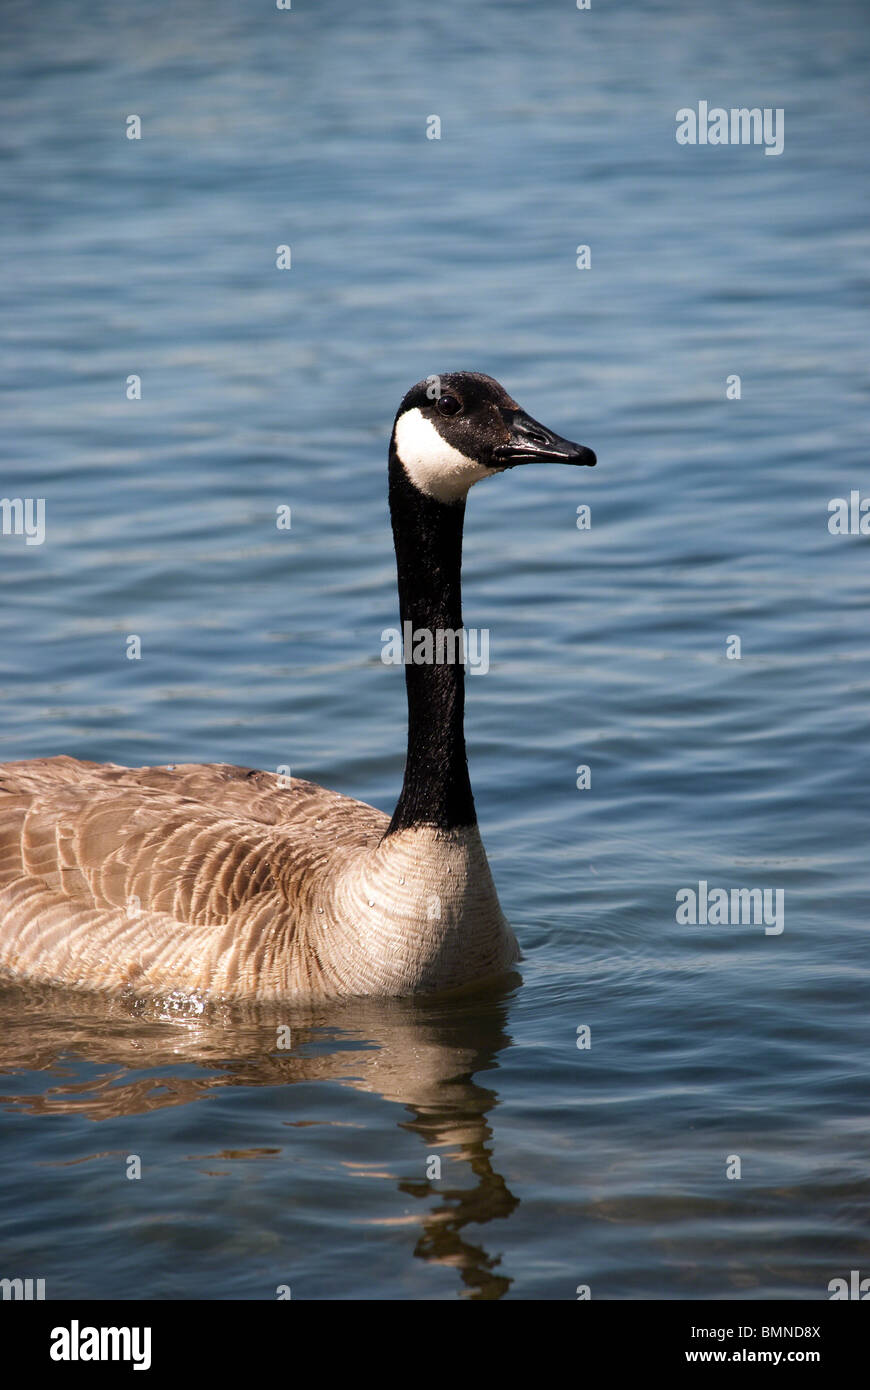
560, 1166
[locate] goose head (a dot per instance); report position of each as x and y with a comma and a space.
455, 429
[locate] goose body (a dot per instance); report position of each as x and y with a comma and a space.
232, 883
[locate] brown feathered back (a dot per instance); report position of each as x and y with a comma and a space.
231, 882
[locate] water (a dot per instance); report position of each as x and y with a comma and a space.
560, 1166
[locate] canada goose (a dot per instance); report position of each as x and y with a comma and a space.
224, 882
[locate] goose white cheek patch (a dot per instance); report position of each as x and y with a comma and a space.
433, 465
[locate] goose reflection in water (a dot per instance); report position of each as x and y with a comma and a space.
422, 1055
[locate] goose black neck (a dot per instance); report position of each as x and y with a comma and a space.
428, 540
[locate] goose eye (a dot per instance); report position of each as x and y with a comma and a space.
449, 405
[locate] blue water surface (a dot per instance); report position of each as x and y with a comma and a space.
561, 1166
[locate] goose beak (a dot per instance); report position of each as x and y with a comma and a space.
531, 442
